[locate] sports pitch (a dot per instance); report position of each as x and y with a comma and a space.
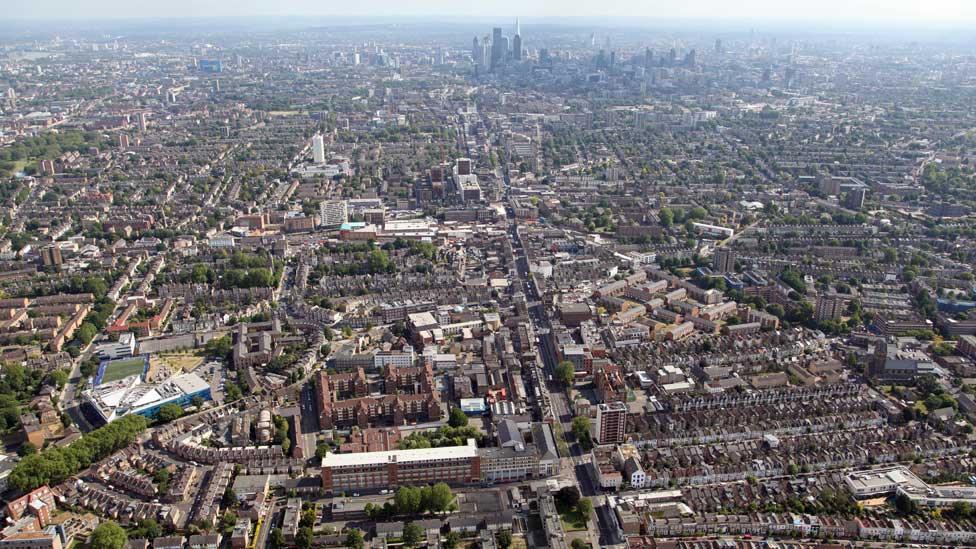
119, 369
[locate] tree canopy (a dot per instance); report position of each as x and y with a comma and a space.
108, 535
54, 465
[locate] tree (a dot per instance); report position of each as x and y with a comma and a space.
566, 373
441, 497
232, 392
161, 478
169, 412
308, 518
452, 540
585, 507
904, 504
229, 499
108, 535
303, 538
27, 449
58, 378
322, 450
579, 544
54, 465
412, 534
407, 500
581, 426
354, 539
666, 216
219, 346
276, 539
457, 418
87, 333
504, 539
147, 528
569, 496
227, 522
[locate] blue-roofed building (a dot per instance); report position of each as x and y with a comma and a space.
953, 306
474, 406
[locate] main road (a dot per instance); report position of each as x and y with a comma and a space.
602, 515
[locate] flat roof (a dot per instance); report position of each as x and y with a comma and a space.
469, 450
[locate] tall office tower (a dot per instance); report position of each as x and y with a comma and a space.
691, 58
718, 46
498, 47
789, 76
476, 50
648, 57
217, 86
672, 57
141, 119
517, 42
333, 214
611, 423
464, 166
724, 260
318, 149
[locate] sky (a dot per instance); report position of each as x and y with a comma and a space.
912, 12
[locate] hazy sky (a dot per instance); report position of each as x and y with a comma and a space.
921, 12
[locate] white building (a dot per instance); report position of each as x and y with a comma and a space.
124, 347
318, 149
333, 214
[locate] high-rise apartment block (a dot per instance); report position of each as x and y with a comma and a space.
611, 423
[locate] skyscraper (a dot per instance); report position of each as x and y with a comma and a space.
855, 199
51, 256
486, 51
318, 149
476, 50
517, 42
498, 49
611, 423
724, 260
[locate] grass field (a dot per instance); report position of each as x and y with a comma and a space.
573, 521
119, 369
181, 362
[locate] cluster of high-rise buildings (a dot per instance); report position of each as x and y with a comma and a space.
496, 49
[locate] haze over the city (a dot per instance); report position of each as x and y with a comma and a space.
849, 11
507, 274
